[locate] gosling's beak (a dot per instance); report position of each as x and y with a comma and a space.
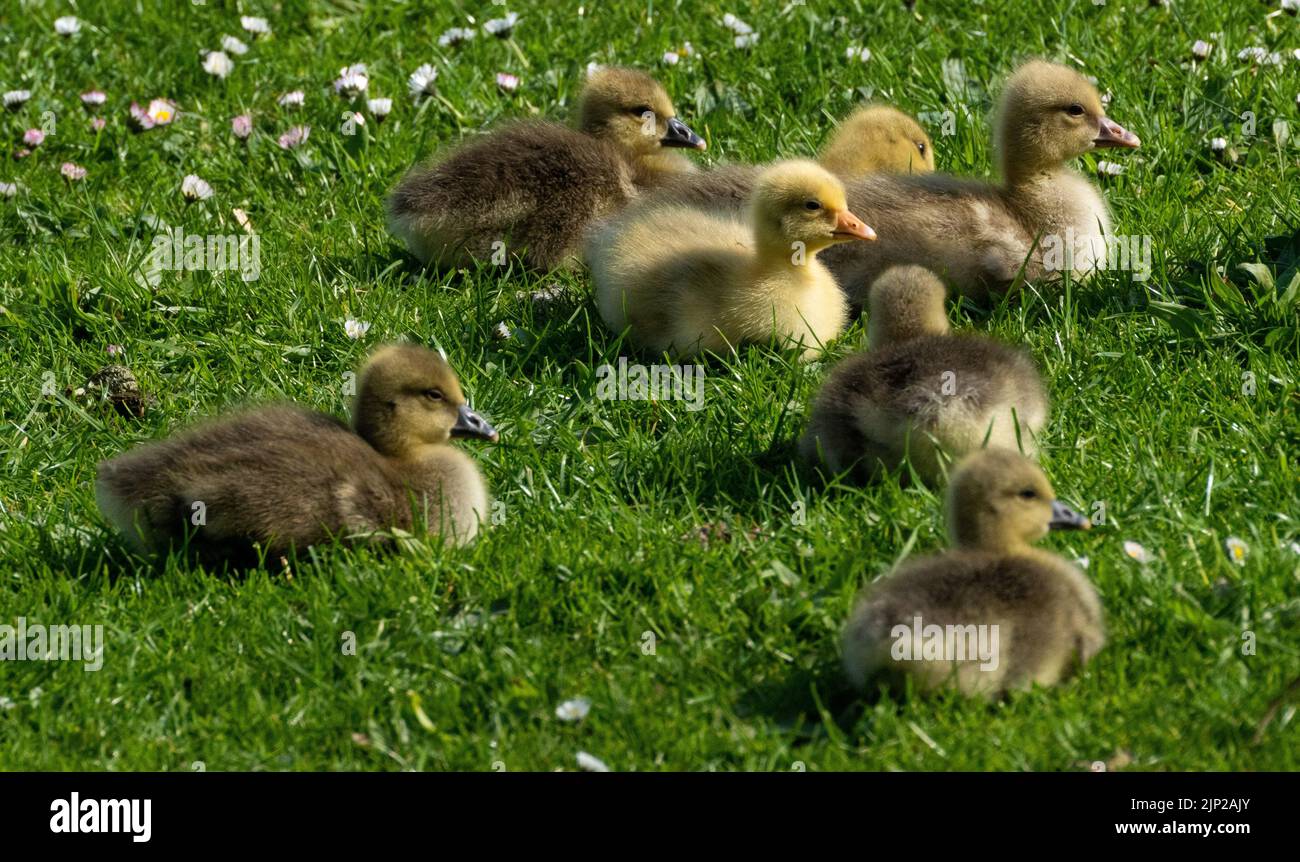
1112, 134
849, 226
1065, 518
680, 135
470, 424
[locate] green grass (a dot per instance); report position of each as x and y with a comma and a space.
463, 655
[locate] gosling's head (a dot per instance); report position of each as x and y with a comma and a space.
631, 110
799, 201
999, 500
1048, 115
408, 397
878, 139
905, 302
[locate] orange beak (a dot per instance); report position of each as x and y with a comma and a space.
1112, 134
849, 226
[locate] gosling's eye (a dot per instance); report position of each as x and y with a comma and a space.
433, 394
812, 205
643, 110
1075, 110
1028, 494
920, 145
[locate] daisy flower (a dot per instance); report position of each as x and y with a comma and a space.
507, 82
231, 45
352, 80
72, 171
195, 189
242, 126
747, 40
1136, 552
1237, 550
1218, 145
93, 98
8, 190
671, 58
502, 27
380, 108
735, 25
355, 329
14, 98
160, 112
422, 80
1201, 49
98, 123
33, 137
217, 63
68, 25
455, 36
295, 137
853, 52
591, 763
291, 99
1109, 169
256, 26
575, 709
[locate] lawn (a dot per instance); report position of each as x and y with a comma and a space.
673, 567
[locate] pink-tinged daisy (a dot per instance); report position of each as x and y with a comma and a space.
1134, 551
295, 137
242, 126
352, 81
355, 329
231, 45
380, 108
98, 123
195, 189
671, 58
423, 81
1202, 49
21, 153
93, 98
291, 99
33, 137
115, 350
72, 172
507, 82
8, 190
218, 64
502, 27
15, 98
1237, 550
256, 26
68, 25
455, 36
160, 112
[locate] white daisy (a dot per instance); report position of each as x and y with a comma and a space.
735, 25
855, 53
1218, 145
68, 25
14, 98
1136, 552
241, 126
217, 63
507, 82
291, 99
1201, 49
195, 189
422, 80
748, 40
671, 58
72, 171
501, 27
231, 45
352, 81
592, 68
1291, 7
93, 98
355, 329
380, 108
455, 36
1109, 169
1237, 550
8, 190
591, 763
257, 26
575, 709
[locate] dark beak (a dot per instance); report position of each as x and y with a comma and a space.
1112, 134
680, 135
1065, 518
470, 424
